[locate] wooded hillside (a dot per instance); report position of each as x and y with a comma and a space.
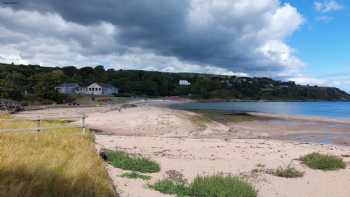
33, 82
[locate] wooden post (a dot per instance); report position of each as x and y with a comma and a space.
38, 123
83, 124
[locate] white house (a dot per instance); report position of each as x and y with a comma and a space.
184, 83
100, 89
68, 88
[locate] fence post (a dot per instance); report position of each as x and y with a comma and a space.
38, 124
83, 124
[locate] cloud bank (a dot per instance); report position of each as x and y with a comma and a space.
244, 37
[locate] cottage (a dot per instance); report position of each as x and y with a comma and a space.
68, 88
101, 89
98, 89
184, 83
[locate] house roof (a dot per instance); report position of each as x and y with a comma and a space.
105, 85
68, 85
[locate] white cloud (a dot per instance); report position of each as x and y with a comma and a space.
341, 81
327, 6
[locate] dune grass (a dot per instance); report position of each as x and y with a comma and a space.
50, 164
7, 122
168, 186
288, 172
207, 186
135, 175
125, 161
323, 162
221, 186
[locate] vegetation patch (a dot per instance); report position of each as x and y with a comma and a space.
288, 172
209, 186
168, 186
135, 175
225, 117
323, 162
52, 163
125, 161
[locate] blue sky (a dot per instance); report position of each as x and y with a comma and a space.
323, 42
301, 40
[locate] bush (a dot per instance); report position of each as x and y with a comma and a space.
288, 172
125, 161
168, 186
323, 162
135, 175
221, 186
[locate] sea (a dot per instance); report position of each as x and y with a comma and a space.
324, 109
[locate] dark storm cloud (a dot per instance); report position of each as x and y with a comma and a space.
238, 35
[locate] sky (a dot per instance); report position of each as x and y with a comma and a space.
302, 40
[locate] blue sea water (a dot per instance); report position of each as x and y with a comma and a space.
333, 110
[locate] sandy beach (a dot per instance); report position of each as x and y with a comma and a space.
189, 144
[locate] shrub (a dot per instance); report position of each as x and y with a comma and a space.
221, 186
168, 186
288, 172
135, 175
125, 161
323, 162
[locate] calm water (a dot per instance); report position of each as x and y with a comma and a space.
334, 110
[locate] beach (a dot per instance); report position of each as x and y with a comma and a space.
192, 144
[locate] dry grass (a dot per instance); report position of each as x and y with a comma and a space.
53, 163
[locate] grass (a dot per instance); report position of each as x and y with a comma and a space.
225, 117
323, 162
125, 161
86, 100
221, 186
207, 186
168, 186
135, 175
6, 122
50, 164
288, 172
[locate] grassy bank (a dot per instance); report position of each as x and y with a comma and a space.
53, 163
226, 117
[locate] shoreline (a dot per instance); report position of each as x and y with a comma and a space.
301, 118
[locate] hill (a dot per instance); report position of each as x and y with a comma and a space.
36, 83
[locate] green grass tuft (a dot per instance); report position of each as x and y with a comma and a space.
288, 172
221, 186
207, 186
323, 162
125, 161
168, 186
135, 175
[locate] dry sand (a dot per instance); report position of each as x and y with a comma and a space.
193, 157
184, 142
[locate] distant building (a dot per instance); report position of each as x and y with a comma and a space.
184, 83
68, 88
98, 89
101, 89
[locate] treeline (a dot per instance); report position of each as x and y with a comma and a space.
36, 83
